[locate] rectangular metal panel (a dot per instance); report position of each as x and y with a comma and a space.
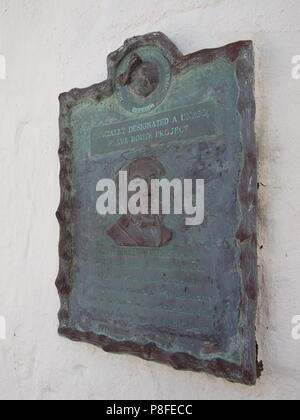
188, 298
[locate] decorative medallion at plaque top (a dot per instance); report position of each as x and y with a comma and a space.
143, 80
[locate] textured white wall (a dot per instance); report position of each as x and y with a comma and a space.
52, 46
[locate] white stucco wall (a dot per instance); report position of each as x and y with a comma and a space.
51, 46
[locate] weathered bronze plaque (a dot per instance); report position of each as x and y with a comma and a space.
151, 285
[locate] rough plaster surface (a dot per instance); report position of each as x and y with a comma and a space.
53, 46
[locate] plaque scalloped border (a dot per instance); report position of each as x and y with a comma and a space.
240, 53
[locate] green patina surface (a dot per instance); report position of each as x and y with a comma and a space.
184, 296
176, 288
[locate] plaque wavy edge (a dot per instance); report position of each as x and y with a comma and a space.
242, 54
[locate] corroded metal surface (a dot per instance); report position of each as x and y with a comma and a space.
185, 296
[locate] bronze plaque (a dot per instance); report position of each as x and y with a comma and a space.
152, 285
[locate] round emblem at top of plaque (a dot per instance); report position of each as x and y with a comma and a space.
143, 79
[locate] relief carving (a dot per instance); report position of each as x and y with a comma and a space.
142, 230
